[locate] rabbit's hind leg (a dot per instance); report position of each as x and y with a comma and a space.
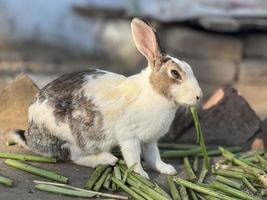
92, 160
42, 141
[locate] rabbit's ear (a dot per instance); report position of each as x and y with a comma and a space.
145, 40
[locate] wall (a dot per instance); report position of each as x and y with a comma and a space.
45, 41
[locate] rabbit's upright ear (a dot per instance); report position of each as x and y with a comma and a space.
145, 40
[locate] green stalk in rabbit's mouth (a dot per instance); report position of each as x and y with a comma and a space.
200, 138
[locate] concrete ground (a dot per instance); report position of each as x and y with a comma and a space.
23, 188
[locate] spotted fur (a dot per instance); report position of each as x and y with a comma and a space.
85, 114
86, 122
42, 141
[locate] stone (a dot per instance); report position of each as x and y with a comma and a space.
226, 119
186, 41
255, 45
15, 99
253, 71
256, 96
260, 142
213, 70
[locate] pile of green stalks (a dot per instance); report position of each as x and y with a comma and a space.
237, 176
121, 178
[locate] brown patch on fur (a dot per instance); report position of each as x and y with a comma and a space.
86, 122
160, 79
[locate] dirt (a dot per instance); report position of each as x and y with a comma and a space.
15, 99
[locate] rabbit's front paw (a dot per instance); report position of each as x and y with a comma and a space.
164, 168
142, 172
107, 159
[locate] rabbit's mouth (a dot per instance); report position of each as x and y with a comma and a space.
188, 104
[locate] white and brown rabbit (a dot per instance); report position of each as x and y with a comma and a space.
83, 115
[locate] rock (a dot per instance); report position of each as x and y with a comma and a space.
253, 71
256, 96
260, 142
255, 45
185, 41
226, 119
213, 70
14, 101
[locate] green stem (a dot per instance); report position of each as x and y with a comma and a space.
6, 181
233, 174
249, 185
136, 176
264, 193
233, 192
158, 189
193, 194
102, 179
174, 192
262, 161
183, 193
216, 152
26, 157
250, 155
65, 191
95, 176
195, 164
117, 172
36, 171
229, 182
201, 189
148, 190
188, 170
200, 137
260, 174
203, 173
107, 182
127, 189
201, 197
196, 121
176, 146
179, 153
83, 190
141, 193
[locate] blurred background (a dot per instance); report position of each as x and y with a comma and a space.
225, 41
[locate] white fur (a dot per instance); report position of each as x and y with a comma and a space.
135, 116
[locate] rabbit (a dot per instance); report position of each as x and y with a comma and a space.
81, 116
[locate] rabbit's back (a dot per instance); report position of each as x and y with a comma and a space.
67, 85
62, 110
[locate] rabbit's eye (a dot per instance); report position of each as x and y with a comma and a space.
175, 74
